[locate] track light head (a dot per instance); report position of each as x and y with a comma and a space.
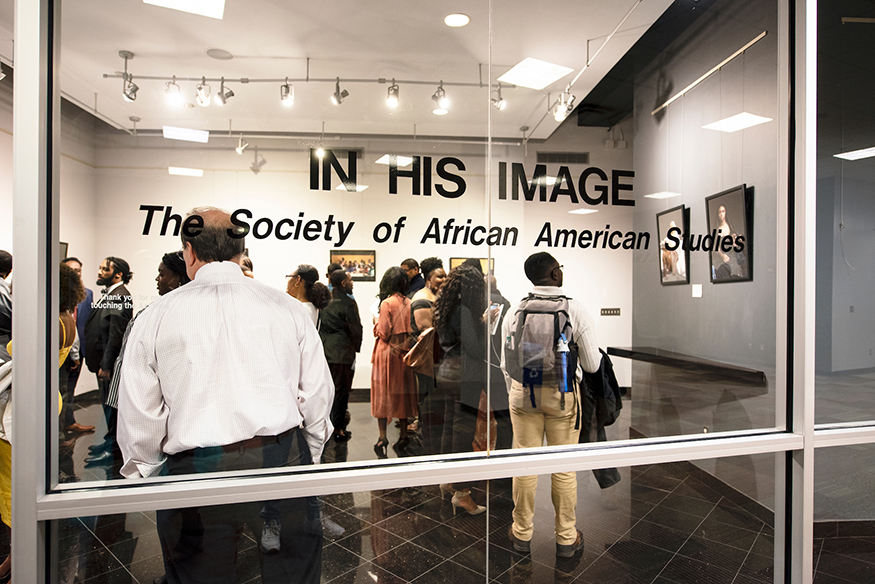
224, 95
130, 90
498, 101
241, 145
392, 97
173, 92
440, 97
2, 74
338, 96
287, 94
257, 164
564, 105
203, 93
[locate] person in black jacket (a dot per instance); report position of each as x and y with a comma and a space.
341, 333
104, 330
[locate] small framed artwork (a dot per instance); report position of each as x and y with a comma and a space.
360, 264
456, 262
62, 251
674, 258
730, 230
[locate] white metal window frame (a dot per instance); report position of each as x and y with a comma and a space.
35, 204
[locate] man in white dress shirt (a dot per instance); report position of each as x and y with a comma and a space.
225, 373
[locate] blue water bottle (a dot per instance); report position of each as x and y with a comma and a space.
564, 386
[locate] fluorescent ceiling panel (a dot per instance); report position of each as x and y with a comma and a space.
358, 188
210, 8
737, 122
583, 211
534, 73
402, 160
186, 134
857, 154
662, 195
179, 171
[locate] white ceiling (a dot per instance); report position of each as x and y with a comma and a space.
341, 38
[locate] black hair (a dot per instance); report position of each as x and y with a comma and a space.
464, 287
213, 242
429, 265
395, 281
332, 267
410, 264
246, 262
173, 261
120, 266
538, 266
337, 277
71, 259
316, 291
70, 289
474, 263
5, 262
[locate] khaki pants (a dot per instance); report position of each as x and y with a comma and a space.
530, 426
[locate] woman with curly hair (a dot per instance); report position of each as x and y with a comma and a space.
304, 285
393, 393
461, 376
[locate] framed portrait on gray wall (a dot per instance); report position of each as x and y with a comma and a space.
729, 239
674, 259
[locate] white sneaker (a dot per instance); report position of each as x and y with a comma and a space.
331, 529
270, 537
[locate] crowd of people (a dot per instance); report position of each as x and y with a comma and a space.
223, 372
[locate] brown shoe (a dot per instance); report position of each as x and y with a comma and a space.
77, 427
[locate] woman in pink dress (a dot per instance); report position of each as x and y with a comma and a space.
393, 391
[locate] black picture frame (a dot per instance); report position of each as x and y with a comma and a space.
674, 257
456, 262
730, 261
360, 263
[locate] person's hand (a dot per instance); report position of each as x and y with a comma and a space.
490, 315
74, 366
103, 375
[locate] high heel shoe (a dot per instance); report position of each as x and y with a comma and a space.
380, 448
447, 488
399, 446
463, 499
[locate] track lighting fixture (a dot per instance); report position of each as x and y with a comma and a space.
241, 145
223, 96
173, 92
440, 98
129, 88
203, 93
257, 164
392, 97
498, 101
287, 94
339, 95
564, 105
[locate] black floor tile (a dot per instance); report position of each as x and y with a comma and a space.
501, 559
689, 505
449, 572
445, 541
371, 542
365, 573
656, 536
336, 561
738, 537
673, 519
732, 514
857, 548
408, 524
682, 569
845, 567
608, 571
711, 552
408, 561
117, 576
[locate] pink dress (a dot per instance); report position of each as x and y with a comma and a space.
393, 390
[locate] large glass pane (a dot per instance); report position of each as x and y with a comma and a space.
845, 136
658, 523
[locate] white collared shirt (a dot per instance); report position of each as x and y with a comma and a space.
219, 360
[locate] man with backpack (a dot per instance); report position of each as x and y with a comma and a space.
547, 340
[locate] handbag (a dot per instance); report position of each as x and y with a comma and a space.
421, 357
479, 444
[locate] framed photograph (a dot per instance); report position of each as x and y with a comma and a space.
674, 260
456, 262
361, 264
63, 249
730, 230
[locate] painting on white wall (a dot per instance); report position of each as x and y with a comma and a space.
730, 226
360, 264
674, 257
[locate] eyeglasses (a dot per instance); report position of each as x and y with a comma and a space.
292, 276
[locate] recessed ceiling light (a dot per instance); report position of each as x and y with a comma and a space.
402, 160
180, 171
583, 211
186, 134
662, 195
534, 73
211, 8
737, 122
358, 188
438, 111
456, 20
857, 154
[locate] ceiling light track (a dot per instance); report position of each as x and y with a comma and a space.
282, 80
713, 70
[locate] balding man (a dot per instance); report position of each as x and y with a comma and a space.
224, 373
